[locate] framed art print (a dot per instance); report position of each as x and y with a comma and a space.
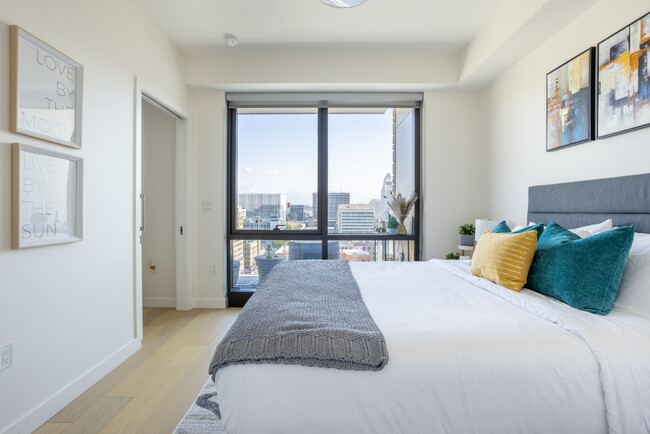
46, 197
624, 80
46, 91
569, 102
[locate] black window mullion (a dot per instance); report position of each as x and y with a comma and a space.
417, 184
323, 210
231, 215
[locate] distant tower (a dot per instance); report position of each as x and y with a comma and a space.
386, 189
333, 202
355, 218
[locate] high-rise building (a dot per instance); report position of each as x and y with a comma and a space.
241, 216
333, 202
251, 250
271, 206
376, 205
356, 219
386, 189
238, 245
299, 211
238, 250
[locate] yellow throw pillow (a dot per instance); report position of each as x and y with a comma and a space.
504, 258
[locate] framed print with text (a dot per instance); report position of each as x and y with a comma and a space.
46, 91
46, 197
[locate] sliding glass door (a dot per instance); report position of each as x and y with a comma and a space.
314, 183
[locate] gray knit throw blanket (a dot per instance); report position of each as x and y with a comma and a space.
308, 313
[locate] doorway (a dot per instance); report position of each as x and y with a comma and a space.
158, 205
161, 241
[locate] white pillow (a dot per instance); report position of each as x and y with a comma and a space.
587, 231
634, 293
582, 232
640, 246
519, 226
595, 229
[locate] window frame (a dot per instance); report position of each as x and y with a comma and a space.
239, 298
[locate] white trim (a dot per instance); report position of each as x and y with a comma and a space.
209, 303
137, 212
158, 301
55, 403
183, 218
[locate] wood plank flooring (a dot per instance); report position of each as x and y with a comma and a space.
151, 391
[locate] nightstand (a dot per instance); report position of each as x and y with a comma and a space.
463, 248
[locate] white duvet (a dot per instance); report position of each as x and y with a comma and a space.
466, 356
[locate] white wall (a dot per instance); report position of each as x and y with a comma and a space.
515, 106
453, 169
209, 184
69, 309
158, 185
302, 68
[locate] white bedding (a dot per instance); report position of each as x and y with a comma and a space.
466, 356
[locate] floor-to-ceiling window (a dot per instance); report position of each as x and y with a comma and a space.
310, 177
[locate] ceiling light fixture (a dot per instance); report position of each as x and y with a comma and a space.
231, 39
343, 3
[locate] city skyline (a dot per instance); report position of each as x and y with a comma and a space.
277, 153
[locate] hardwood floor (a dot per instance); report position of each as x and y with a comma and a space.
151, 391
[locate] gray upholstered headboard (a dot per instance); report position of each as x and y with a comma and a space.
626, 200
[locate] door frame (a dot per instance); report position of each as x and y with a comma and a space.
182, 201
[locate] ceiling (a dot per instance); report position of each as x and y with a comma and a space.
199, 25
475, 40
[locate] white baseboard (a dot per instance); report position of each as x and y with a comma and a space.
209, 303
199, 303
159, 302
52, 405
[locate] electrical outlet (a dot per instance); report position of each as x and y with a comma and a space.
213, 270
7, 356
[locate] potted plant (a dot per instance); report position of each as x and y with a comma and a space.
466, 232
401, 208
266, 262
452, 255
392, 225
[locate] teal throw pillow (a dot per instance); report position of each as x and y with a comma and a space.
582, 272
503, 228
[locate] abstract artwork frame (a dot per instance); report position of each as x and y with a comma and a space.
624, 80
569, 102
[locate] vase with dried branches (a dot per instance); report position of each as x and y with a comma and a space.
401, 208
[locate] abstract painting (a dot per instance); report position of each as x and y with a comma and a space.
569, 102
624, 79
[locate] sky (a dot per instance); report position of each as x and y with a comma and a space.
277, 153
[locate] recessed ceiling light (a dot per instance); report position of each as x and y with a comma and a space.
231, 39
343, 3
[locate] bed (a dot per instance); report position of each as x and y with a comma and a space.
469, 356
